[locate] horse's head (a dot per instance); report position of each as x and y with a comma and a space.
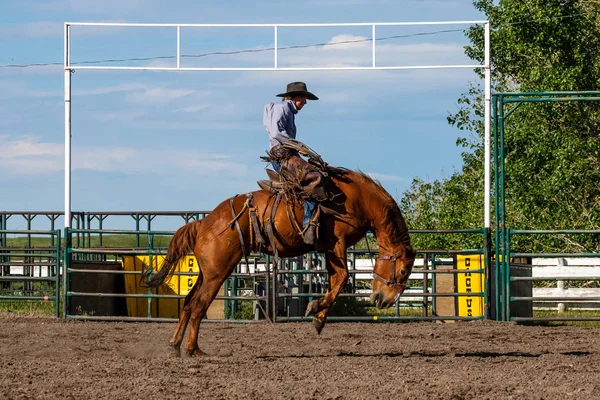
391, 273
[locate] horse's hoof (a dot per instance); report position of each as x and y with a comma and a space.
175, 349
318, 324
312, 308
196, 353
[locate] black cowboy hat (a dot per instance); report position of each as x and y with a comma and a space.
297, 89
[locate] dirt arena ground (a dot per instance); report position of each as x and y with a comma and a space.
46, 358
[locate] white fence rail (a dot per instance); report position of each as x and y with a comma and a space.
566, 268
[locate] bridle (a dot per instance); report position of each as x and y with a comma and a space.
392, 283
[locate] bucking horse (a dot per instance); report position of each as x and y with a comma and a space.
267, 221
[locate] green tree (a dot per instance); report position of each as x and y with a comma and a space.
552, 149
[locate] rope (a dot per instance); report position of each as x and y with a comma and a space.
251, 227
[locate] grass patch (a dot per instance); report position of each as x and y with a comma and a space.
28, 307
569, 314
92, 240
404, 311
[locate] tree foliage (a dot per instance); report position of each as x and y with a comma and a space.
552, 149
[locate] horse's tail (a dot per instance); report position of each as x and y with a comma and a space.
182, 243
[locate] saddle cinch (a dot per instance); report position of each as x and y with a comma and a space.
298, 177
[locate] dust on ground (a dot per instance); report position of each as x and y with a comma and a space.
48, 358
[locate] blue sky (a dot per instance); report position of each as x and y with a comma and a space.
188, 140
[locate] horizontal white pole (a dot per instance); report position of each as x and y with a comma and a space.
124, 24
75, 67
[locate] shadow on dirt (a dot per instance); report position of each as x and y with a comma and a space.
476, 354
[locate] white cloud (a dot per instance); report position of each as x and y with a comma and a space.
346, 41
354, 51
342, 96
341, 50
163, 63
126, 87
365, 83
115, 159
192, 109
139, 93
158, 95
27, 156
13, 89
359, 54
386, 177
107, 7
214, 164
39, 29
138, 119
198, 126
27, 146
53, 29
119, 116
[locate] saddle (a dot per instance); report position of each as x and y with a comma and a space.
298, 177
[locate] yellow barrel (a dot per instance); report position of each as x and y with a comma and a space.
177, 284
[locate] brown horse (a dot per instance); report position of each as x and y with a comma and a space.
360, 205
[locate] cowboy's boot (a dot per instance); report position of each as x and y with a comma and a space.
310, 234
313, 184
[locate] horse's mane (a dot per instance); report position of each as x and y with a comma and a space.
340, 173
393, 218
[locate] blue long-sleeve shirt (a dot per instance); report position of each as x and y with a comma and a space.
278, 119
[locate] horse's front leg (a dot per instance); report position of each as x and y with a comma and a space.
335, 262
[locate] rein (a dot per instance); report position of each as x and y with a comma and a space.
392, 283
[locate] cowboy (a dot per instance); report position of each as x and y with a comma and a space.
279, 120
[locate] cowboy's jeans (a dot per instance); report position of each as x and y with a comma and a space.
276, 164
309, 205
309, 208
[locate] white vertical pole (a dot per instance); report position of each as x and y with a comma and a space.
67, 67
373, 45
275, 45
178, 46
487, 123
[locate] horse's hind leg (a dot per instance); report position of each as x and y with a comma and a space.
184, 317
200, 303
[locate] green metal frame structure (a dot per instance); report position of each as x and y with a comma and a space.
426, 286
502, 234
149, 249
272, 278
31, 285
84, 245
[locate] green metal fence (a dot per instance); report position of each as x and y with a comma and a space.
90, 255
30, 272
501, 274
309, 279
255, 286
